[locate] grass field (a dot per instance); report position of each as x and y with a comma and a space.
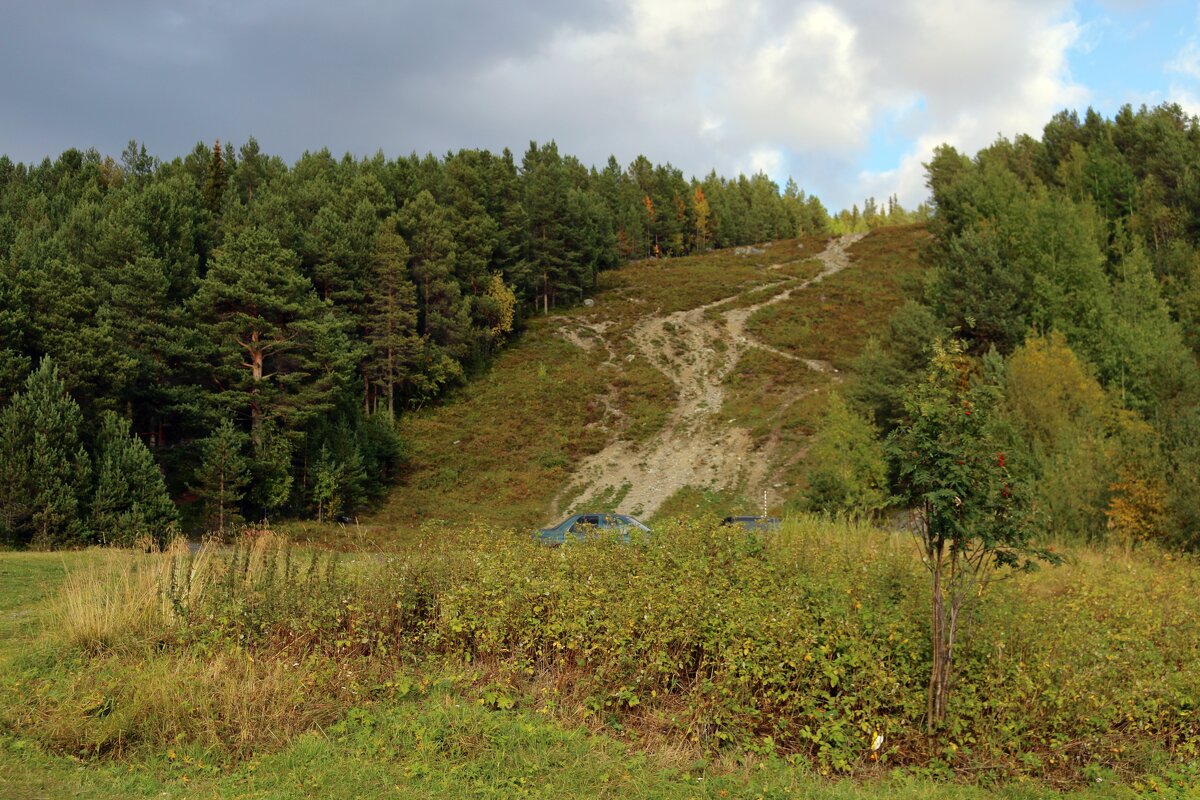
833, 319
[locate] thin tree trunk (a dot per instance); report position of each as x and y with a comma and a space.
933, 714
391, 383
221, 506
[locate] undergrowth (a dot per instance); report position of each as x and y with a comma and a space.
805, 645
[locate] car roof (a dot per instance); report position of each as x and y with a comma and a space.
624, 518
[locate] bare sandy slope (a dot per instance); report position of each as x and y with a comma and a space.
696, 350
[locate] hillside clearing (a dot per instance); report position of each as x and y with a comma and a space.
577, 411
696, 349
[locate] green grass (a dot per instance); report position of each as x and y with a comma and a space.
439, 748
682, 283
781, 399
691, 502
762, 390
27, 579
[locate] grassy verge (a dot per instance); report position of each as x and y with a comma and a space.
439, 747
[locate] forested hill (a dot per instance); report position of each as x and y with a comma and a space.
1069, 269
258, 326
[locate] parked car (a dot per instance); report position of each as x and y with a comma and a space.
580, 525
765, 524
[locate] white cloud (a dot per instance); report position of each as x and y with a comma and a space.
1185, 67
1187, 61
1003, 72
800, 87
795, 88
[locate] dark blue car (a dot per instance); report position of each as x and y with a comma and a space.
753, 523
580, 525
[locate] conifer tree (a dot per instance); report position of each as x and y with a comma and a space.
214, 185
221, 479
326, 485
249, 305
505, 205
702, 232
442, 312
391, 320
545, 200
131, 497
271, 470
44, 470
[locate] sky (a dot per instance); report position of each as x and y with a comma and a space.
848, 98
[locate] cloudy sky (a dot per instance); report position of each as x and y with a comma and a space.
847, 97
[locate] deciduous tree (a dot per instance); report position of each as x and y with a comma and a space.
952, 457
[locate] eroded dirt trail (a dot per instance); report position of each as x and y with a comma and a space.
696, 349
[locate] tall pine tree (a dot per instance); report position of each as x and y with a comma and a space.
391, 316
220, 481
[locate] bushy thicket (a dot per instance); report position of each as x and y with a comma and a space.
811, 643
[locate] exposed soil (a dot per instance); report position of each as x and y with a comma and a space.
696, 350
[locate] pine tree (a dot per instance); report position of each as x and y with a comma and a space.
14, 324
252, 170
44, 470
271, 470
476, 234
214, 185
702, 232
442, 312
131, 499
62, 303
222, 476
249, 306
545, 200
325, 248
391, 318
327, 486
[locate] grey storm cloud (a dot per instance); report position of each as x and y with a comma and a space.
355, 76
735, 85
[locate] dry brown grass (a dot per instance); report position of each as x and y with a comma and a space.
224, 701
123, 599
